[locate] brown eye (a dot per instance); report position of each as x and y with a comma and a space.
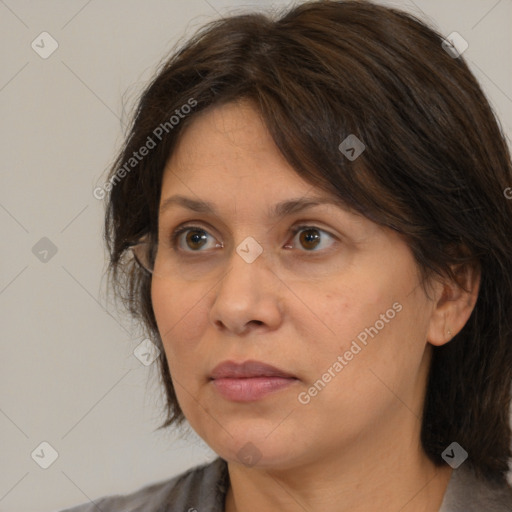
309, 238
195, 239
312, 238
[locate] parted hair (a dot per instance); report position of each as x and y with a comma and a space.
436, 169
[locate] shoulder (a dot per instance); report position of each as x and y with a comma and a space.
468, 493
198, 488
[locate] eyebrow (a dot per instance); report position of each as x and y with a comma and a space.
281, 209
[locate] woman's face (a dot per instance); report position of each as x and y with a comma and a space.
336, 305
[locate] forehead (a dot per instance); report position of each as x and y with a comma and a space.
237, 123
228, 149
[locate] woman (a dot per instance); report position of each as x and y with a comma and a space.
323, 255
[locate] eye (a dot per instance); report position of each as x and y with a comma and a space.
196, 238
310, 237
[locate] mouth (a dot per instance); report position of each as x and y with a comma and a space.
249, 381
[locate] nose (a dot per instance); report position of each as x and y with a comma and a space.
248, 297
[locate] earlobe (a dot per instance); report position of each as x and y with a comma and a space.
453, 306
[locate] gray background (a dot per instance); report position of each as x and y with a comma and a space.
68, 375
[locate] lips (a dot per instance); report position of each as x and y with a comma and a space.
247, 370
249, 381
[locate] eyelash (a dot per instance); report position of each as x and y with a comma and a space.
183, 229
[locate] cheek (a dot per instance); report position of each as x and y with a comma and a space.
376, 347
352, 305
180, 315
373, 315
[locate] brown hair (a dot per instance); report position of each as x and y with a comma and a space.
435, 169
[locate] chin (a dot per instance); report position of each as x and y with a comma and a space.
257, 449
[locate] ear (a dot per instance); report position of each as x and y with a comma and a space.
453, 305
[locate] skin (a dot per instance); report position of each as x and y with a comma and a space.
356, 444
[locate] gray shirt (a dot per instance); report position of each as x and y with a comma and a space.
204, 488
